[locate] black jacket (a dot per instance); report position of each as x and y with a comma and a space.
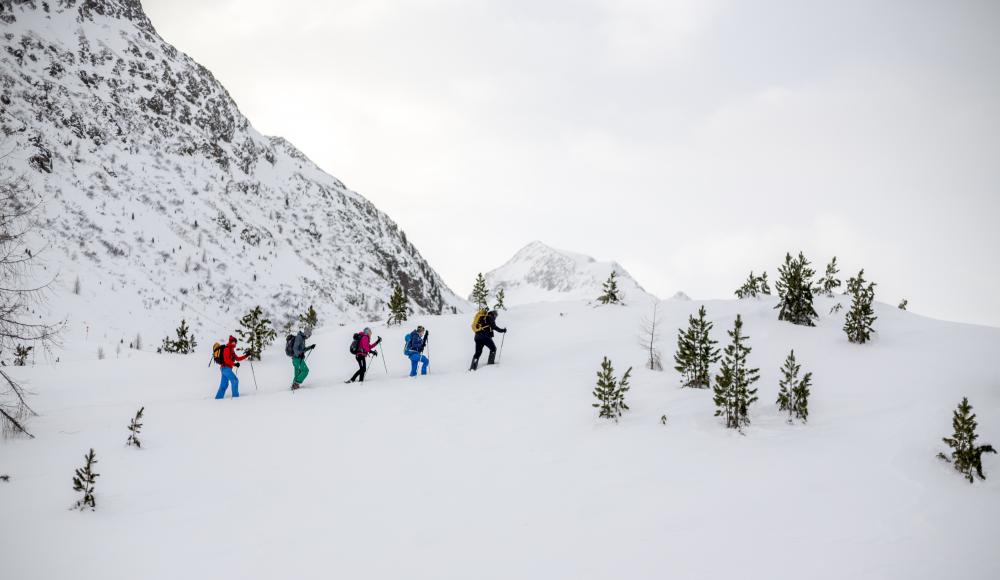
489, 324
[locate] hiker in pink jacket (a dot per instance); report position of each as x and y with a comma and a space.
361, 348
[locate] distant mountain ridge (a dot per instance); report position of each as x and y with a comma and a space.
541, 273
159, 192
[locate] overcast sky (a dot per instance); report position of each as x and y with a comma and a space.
691, 141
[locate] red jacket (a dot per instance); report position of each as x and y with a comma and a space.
229, 357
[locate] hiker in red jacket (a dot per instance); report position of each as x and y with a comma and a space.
228, 359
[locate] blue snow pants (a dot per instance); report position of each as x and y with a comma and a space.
228, 378
416, 357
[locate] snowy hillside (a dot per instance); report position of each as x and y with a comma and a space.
540, 273
162, 198
508, 472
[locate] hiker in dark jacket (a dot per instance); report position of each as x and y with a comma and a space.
416, 342
484, 338
364, 348
229, 360
299, 350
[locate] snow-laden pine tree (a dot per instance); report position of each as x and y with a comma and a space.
794, 286
859, 319
696, 352
500, 300
966, 456
762, 285
309, 319
21, 353
793, 392
84, 480
256, 332
733, 392
480, 293
829, 281
185, 342
398, 306
134, 427
903, 304
611, 295
610, 392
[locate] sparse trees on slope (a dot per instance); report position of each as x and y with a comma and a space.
398, 306
966, 456
84, 481
829, 281
696, 352
859, 319
795, 291
256, 332
610, 392
733, 392
611, 295
185, 342
650, 337
134, 428
793, 392
480, 293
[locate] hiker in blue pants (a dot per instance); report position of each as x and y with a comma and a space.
226, 357
415, 343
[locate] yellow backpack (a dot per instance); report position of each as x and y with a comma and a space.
477, 321
217, 350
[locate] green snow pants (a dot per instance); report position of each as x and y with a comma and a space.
301, 370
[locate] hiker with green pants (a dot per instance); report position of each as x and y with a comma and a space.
299, 350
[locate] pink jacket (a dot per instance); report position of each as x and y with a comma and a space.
364, 345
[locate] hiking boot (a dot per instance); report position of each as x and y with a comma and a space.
295, 386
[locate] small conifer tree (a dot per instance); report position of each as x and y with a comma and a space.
134, 428
21, 353
185, 342
829, 281
480, 293
500, 300
696, 352
309, 319
859, 319
795, 291
611, 295
256, 332
793, 393
398, 306
749, 288
610, 393
903, 304
966, 456
733, 392
836, 308
84, 481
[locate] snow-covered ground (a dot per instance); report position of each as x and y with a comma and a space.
508, 472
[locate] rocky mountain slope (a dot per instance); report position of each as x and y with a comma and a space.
540, 273
162, 199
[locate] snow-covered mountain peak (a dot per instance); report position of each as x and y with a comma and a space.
161, 197
540, 273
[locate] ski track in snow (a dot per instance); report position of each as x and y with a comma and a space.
508, 472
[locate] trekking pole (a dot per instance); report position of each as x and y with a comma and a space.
254, 375
501, 345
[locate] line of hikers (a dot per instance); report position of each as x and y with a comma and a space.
484, 324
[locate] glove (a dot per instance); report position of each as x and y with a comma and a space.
374, 353
310, 347
237, 365
502, 330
